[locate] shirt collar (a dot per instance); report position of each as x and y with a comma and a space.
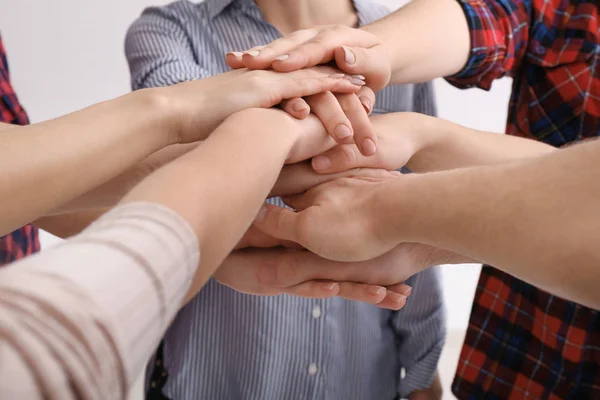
216, 7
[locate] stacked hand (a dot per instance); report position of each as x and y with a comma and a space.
330, 246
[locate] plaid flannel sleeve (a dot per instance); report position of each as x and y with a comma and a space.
499, 31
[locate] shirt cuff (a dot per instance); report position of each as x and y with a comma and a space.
421, 375
488, 47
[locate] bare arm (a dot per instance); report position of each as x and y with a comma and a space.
535, 213
63, 164
426, 144
164, 217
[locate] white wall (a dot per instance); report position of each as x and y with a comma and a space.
66, 54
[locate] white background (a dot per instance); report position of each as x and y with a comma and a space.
67, 54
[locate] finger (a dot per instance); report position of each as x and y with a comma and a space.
366, 95
393, 301
327, 108
401, 288
297, 108
299, 202
276, 49
372, 63
277, 222
321, 49
364, 136
372, 294
300, 177
314, 289
234, 59
342, 158
290, 88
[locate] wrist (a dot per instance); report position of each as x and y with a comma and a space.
164, 115
397, 208
271, 128
430, 137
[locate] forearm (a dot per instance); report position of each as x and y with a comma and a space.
110, 193
71, 155
535, 219
67, 225
226, 179
444, 145
442, 45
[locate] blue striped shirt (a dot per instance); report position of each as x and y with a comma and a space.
227, 345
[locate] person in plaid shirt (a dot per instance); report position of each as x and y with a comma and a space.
521, 341
23, 241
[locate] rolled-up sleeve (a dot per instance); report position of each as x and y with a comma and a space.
159, 51
499, 31
421, 328
80, 320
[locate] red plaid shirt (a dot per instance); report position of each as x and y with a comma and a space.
523, 342
24, 241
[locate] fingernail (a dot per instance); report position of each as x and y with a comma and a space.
337, 76
397, 173
368, 147
407, 292
357, 82
366, 103
361, 77
321, 163
282, 58
376, 290
395, 297
236, 54
349, 56
252, 53
342, 131
261, 214
299, 106
329, 286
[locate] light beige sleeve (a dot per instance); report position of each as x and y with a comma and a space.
80, 320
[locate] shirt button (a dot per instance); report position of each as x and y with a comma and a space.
312, 369
316, 312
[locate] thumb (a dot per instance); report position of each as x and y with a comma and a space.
277, 222
370, 62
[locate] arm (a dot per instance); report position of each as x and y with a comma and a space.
426, 144
62, 164
526, 217
67, 225
480, 40
421, 329
161, 50
141, 259
532, 212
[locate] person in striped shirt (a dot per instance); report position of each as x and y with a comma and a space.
224, 344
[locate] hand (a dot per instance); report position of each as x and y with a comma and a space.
345, 116
288, 268
400, 137
338, 220
299, 177
355, 51
282, 271
202, 105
